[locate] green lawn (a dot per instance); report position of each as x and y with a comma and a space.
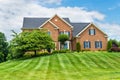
69, 66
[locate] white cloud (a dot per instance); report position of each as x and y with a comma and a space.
114, 7
12, 13
58, 2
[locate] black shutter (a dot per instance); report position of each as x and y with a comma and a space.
84, 44
95, 44
89, 44
94, 32
89, 32
100, 44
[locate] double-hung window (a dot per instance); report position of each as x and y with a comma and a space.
91, 31
98, 44
87, 44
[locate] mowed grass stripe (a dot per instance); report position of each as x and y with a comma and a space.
114, 56
13, 69
97, 61
24, 66
76, 65
109, 60
41, 73
73, 61
64, 70
39, 65
32, 64
17, 67
89, 61
51, 71
46, 68
61, 68
117, 54
82, 65
83, 60
71, 68
5, 63
8, 64
11, 66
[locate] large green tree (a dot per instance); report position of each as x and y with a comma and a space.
3, 47
32, 41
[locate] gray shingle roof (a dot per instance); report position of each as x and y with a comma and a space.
34, 23
78, 27
29, 23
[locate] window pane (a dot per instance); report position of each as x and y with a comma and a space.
98, 44
87, 44
67, 33
91, 31
61, 32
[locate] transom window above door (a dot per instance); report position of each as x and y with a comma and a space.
65, 32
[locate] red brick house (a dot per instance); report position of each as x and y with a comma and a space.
89, 35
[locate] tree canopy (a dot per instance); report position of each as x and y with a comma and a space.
32, 41
62, 38
3, 47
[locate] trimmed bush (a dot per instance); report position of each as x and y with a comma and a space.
109, 45
78, 48
61, 51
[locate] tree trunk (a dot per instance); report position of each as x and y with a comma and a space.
5, 57
35, 52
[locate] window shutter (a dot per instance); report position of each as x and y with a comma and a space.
89, 32
95, 44
94, 32
84, 45
100, 44
89, 44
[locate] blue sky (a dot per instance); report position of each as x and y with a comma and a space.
111, 8
105, 14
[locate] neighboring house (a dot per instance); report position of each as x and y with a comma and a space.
89, 36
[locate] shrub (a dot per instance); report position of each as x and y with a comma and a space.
78, 48
61, 51
115, 49
109, 45
55, 51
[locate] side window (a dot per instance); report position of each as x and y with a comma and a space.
98, 44
92, 32
87, 44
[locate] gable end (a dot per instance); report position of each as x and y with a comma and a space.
89, 26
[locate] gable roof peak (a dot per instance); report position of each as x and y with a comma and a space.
63, 19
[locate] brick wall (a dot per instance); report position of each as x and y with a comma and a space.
99, 36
